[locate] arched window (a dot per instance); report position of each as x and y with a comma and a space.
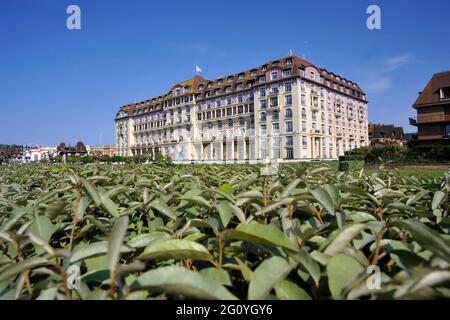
322, 117
303, 113
263, 117
288, 113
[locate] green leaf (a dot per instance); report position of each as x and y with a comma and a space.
245, 270
341, 271
179, 280
163, 208
308, 262
220, 276
198, 200
324, 198
225, 212
92, 250
144, 240
109, 205
115, 242
91, 190
426, 237
19, 267
259, 233
438, 198
266, 275
43, 228
176, 249
287, 290
344, 238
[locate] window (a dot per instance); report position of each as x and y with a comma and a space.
253, 73
288, 126
264, 67
228, 100
313, 76
302, 85
303, 113
289, 61
240, 98
263, 129
275, 128
241, 109
289, 141
219, 124
241, 76
303, 100
239, 86
263, 104
274, 89
288, 113
262, 79
241, 121
447, 130
262, 92
217, 92
302, 73
274, 75
288, 86
288, 100
289, 153
303, 126
274, 102
220, 82
275, 116
263, 117
228, 89
287, 73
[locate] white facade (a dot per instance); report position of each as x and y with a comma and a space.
282, 110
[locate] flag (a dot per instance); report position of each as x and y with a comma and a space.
198, 69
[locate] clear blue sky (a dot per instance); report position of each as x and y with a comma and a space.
60, 85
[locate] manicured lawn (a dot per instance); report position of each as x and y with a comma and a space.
416, 172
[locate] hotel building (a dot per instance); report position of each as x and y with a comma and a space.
284, 109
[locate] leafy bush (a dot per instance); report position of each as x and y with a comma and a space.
344, 166
351, 158
220, 232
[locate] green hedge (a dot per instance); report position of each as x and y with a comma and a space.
401, 154
351, 158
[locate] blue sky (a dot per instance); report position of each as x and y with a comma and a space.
60, 85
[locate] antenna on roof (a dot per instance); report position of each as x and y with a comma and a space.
304, 56
291, 53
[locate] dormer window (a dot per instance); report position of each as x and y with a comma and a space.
230, 79
444, 93
219, 82
209, 85
228, 89
253, 73
241, 76
264, 67
239, 86
289, 61
200, 87
217, 92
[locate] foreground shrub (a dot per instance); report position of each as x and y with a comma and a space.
220, 232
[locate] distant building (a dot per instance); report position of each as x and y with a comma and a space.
98, 151
433, 110
79, 150
287, 108
381, 135
39, 153
10, 153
